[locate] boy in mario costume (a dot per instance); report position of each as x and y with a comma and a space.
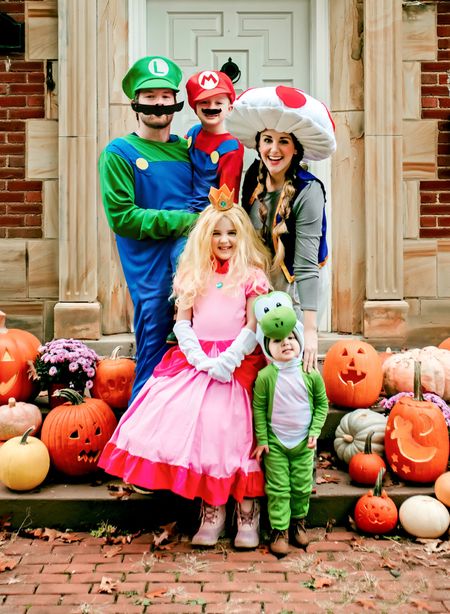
216, 156
146, 186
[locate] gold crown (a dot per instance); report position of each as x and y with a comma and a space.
222, 199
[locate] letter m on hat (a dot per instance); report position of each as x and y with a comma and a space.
209, 80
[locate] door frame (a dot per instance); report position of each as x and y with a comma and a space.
319, 76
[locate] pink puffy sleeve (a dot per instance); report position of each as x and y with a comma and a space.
257, 283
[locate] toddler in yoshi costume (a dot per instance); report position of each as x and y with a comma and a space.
289, 410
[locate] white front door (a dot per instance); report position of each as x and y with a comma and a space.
269, 41
272, 42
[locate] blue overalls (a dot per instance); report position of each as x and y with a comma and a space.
148, 264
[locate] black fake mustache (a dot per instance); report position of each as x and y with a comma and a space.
157, 109
212, 112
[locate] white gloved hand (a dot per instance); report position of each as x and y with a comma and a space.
190, 346
232, 357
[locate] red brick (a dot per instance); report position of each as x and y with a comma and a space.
35, 101
443, 54
429, 114
429, 78
35, 600
26, 113
91, 598
36, 77
434, 90
27, 88
12, 77
19, 186
13, 197
16, 161
22, 65
443, 31
327, 546
13, 101
33, 197
435, 186
21, 588
9, 126
23, 233
434, 233
61, 589
435, 66
428, 102
15, 137
444, 222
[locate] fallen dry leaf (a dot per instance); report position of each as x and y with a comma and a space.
52, 534
366, 604
168, 531
326, 478
120, 492
162, 592
323, 582
113, 551
421, 605
107, 585
7, 564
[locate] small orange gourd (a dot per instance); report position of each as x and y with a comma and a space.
365, 466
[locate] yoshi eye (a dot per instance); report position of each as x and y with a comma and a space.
278, 305
266, 310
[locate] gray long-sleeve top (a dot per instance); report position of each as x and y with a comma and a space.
308, 212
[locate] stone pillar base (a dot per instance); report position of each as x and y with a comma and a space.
78, 320
386, 320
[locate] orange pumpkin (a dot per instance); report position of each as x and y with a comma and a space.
375, 512
365, 466
17, 348
352, 374
442, 488
114, 379
76, 433
416, 439
445, 345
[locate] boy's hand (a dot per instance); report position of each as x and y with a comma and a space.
258, 452
312, 442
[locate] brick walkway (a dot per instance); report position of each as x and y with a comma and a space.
340, 572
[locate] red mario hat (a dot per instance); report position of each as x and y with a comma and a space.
209, 83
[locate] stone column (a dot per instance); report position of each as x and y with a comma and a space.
77, 314
384, 310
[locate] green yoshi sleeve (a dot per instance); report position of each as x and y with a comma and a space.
127, 219
320, 404
260, 409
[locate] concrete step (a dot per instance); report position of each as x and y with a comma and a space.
84, 505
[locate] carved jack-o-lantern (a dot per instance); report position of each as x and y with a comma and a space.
76, 433
17, 347
416, 440
114, 377
352, 374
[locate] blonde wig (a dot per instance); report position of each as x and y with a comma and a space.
197, 263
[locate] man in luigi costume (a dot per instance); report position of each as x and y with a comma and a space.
146, 186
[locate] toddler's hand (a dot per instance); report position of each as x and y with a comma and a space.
259, 451
312, 442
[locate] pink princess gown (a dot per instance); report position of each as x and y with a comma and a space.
187, 432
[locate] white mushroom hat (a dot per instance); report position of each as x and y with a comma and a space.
284, 109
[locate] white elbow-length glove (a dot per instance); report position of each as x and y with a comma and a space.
225, 364
190, 346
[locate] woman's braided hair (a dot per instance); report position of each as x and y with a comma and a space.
287, 195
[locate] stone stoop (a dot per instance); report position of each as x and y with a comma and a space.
84, 504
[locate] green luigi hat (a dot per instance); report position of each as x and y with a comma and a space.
153, 71
276, 319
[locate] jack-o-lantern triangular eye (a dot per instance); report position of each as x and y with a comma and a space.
361, 351
7, 357
74, 435
344, 352
98, 431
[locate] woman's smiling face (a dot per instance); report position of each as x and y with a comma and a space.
276, 150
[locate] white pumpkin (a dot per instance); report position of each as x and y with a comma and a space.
351, 433
424, 516
443, 357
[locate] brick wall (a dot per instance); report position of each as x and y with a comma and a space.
21, 97
435, 195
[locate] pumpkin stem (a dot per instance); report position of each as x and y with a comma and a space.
115, 352
24, 441
71, 395
11, 402
368, 443
417, 382
379, 483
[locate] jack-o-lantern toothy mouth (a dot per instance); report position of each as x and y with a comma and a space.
5, 387
352, 376
91, 456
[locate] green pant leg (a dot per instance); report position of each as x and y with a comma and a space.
301, 473
278, 489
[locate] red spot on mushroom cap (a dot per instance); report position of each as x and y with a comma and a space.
291, 97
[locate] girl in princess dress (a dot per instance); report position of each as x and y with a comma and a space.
190, 428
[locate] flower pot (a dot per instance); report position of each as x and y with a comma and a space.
55, 401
